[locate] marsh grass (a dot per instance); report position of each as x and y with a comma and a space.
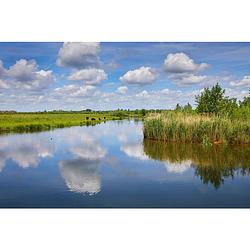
195, 128
32, 122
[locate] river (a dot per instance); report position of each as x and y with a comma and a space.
110, 165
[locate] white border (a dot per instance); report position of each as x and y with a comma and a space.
124, 229
130, 20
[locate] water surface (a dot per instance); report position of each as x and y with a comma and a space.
110, 165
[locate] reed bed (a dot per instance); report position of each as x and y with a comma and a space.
195, 128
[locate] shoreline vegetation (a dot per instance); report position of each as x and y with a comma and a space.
21, 122
217, 119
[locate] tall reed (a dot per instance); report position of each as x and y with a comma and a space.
194, 128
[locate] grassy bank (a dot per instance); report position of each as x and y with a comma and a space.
31, 122
195, 128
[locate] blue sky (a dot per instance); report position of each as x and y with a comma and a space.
39, 76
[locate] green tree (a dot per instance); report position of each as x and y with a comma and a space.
188, 108
211, 101
246, 101
178, 107
143, 112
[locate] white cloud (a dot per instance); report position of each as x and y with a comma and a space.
25, 74
3, 85
89, 76
75, 91
79, 55
182, 63
23, 70
143, 94
245, 82
122, 90
165, 91
188, 79
142, 75
236, 93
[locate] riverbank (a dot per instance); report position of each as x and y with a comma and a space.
195, 128
32, 122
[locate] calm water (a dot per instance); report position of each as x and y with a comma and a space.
109, 165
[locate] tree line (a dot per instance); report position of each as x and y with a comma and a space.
214, 101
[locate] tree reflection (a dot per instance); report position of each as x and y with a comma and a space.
212, 164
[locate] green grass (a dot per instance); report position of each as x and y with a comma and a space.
194, 128
31, 122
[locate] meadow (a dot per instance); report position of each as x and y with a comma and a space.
11, 121
31, 122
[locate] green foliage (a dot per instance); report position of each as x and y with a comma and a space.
143, 112
214, 102
187, 108
178, 107
246, 101
211, 101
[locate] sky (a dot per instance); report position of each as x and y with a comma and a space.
130, 75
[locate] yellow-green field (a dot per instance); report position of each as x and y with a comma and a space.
29, 122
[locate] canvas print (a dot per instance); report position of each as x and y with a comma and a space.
124, 125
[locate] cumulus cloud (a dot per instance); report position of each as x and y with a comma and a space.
3, 85
182, 63
236, 93
188, 79
122, 90
143, 94
25, 74
142, 75
79, 55
245, 82
89, 76
73, 90
23, 70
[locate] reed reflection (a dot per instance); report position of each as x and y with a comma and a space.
213, 164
